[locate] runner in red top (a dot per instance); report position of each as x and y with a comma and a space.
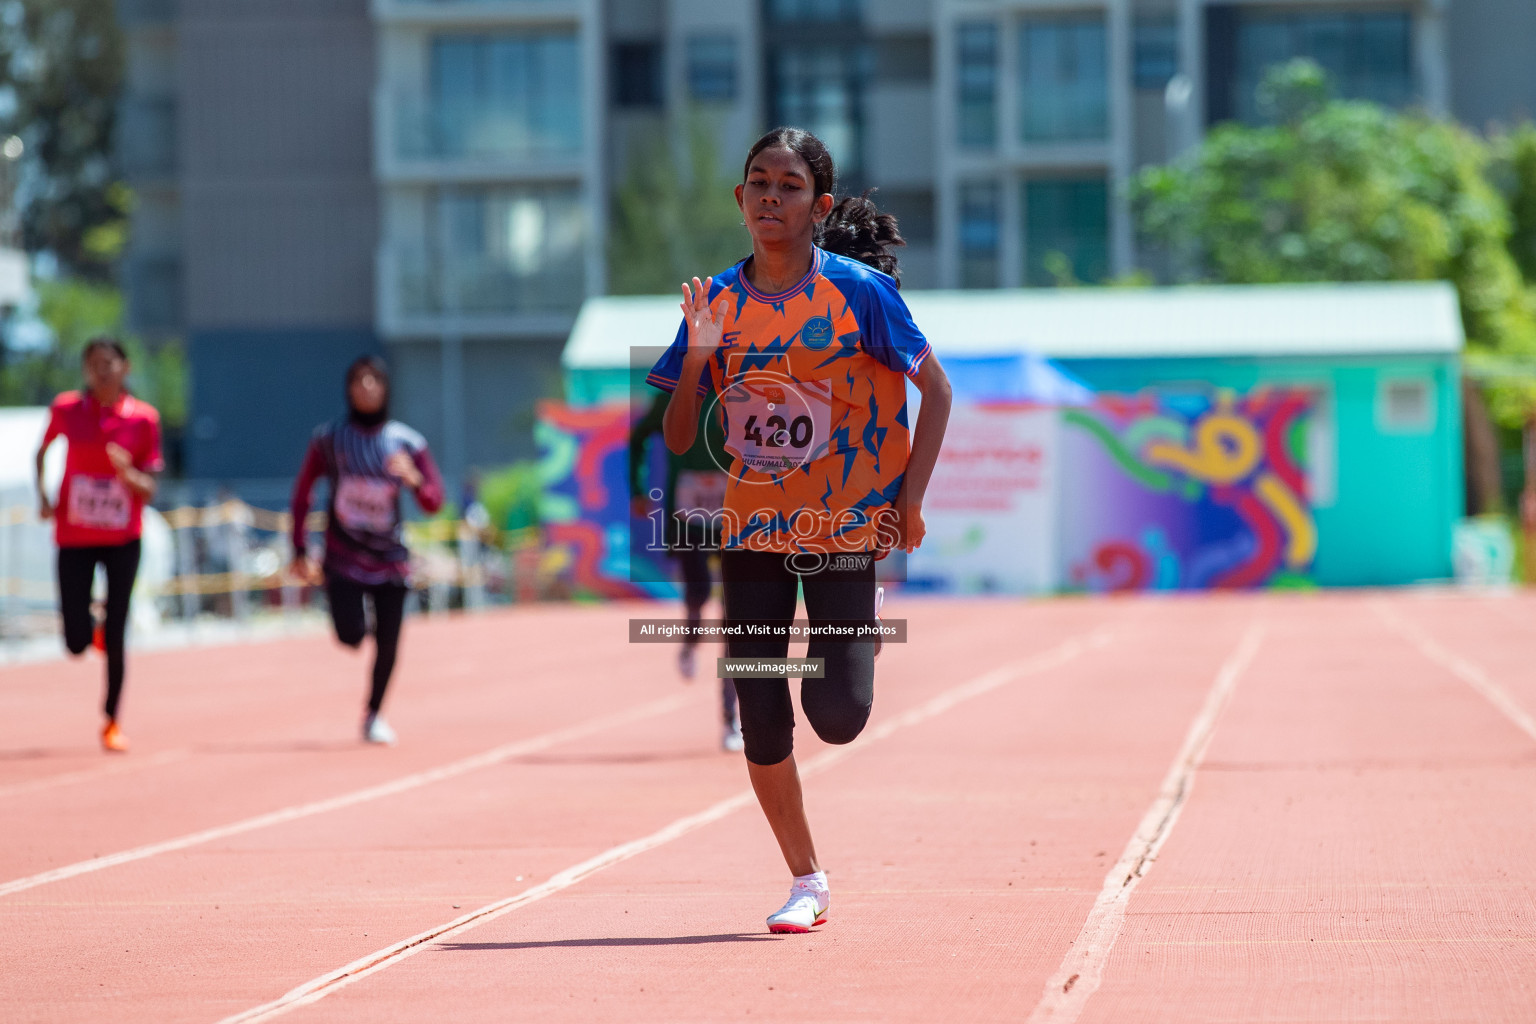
114, 452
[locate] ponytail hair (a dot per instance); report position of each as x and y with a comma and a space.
857, 229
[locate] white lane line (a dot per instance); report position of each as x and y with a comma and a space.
1460, 667
1082, 970
88, 774
495, 755
318, 988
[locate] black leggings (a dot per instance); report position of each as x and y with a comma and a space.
346, 598
761, 587
77, 571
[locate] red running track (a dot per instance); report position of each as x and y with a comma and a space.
1248, 808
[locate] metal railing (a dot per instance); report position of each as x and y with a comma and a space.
230, 560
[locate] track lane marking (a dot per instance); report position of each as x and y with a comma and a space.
404, 784
1467, 671
1082, 969
318, 988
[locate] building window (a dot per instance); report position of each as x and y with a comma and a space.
1066, 230
637, 75
516, 95
1064, 80
798, 11
979, 234
977, 42
821, 88
498, 250
1368, 55
712, 68
1155, 52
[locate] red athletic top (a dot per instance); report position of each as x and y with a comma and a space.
96, 508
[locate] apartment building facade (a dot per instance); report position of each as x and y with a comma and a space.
432, 178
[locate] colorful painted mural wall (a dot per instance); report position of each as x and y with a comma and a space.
1154, 491
584, 465
1185, 491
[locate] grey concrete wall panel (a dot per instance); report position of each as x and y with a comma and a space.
1492, 44
275, 255
257, 395
275, 136
288, 96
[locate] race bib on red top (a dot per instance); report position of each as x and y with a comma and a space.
699, 490
777, 424
99, 503
366, 504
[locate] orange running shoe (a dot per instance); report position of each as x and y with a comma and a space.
112, 739
99, 638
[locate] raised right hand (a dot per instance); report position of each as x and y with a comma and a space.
706, 323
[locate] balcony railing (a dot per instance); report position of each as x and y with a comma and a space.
478, 11
545, 139
419, 287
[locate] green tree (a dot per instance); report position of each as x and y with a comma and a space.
1348, 191
61, 67
1515, 175
78, 311
671, 223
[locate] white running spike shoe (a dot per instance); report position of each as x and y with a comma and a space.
879, 601
376, 730
807, 908
732, 740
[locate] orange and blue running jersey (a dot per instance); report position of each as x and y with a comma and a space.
813, 388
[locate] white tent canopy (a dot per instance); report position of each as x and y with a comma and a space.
1085, 323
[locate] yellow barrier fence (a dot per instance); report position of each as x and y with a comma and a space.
447, 553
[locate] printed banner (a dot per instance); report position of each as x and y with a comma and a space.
991, 506
1173, 490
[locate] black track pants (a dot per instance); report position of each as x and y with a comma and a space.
351, 624
761, 587
77, 570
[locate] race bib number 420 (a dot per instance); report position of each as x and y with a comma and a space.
99, 503
778, 424
366, 504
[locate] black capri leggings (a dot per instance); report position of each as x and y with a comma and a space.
761, 587
77, 570
347, 615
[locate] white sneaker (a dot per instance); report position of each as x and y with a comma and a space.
807, 908
685, 662
732, 740
879, 600
376, 730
